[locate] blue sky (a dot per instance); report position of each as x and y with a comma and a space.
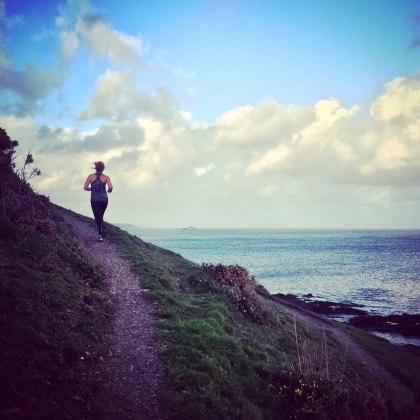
221, 113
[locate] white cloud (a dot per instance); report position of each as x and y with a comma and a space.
390, 156
329, 114
23, 129
202, 170
255, 147
108, 43
400, 98
395, 150
69, 45
186, 115
83, 29
273, 160
268, 123
340, 145
114, 94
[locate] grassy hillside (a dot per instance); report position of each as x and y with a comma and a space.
54, 314
232, 354
228, 352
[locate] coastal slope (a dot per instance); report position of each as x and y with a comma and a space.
212, 358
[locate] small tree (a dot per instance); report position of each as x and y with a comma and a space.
25, 176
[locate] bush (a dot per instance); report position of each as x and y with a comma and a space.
7, 150
18, 201
234, 282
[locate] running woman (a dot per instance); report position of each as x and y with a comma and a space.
98, 197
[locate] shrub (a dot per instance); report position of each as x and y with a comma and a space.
18, 201
234, 282
7, 150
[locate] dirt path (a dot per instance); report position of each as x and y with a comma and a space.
131, 378
394, 385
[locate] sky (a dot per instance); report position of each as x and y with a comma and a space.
220, 114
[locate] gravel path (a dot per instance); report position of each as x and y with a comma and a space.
131, 378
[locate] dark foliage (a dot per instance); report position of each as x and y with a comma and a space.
238, 286
18, 201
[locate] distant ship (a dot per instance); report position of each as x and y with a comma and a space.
189, 228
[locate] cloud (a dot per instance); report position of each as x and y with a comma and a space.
69, 45
270, 161
202, 170
284, 158
115, 93
116, 96
296, 141
329, 141
105, 140
401, 98
107, 43
267, 124
392, 154
23, 90
396, 114
326, 142
83, 27
23, 129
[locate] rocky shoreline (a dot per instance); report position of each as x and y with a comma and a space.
353, 314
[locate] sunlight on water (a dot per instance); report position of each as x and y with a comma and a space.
378, 269
398, 339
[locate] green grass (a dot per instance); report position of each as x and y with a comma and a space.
53, 313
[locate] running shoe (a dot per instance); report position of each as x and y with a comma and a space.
100, 239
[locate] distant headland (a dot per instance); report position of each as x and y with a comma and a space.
126, 225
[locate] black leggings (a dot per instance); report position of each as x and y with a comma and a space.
98, 208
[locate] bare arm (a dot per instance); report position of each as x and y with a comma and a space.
87, 183
110, 186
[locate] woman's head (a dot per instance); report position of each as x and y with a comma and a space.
99, 166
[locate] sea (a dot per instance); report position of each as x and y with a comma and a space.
378, 269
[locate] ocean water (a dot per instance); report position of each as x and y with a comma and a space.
379, 269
